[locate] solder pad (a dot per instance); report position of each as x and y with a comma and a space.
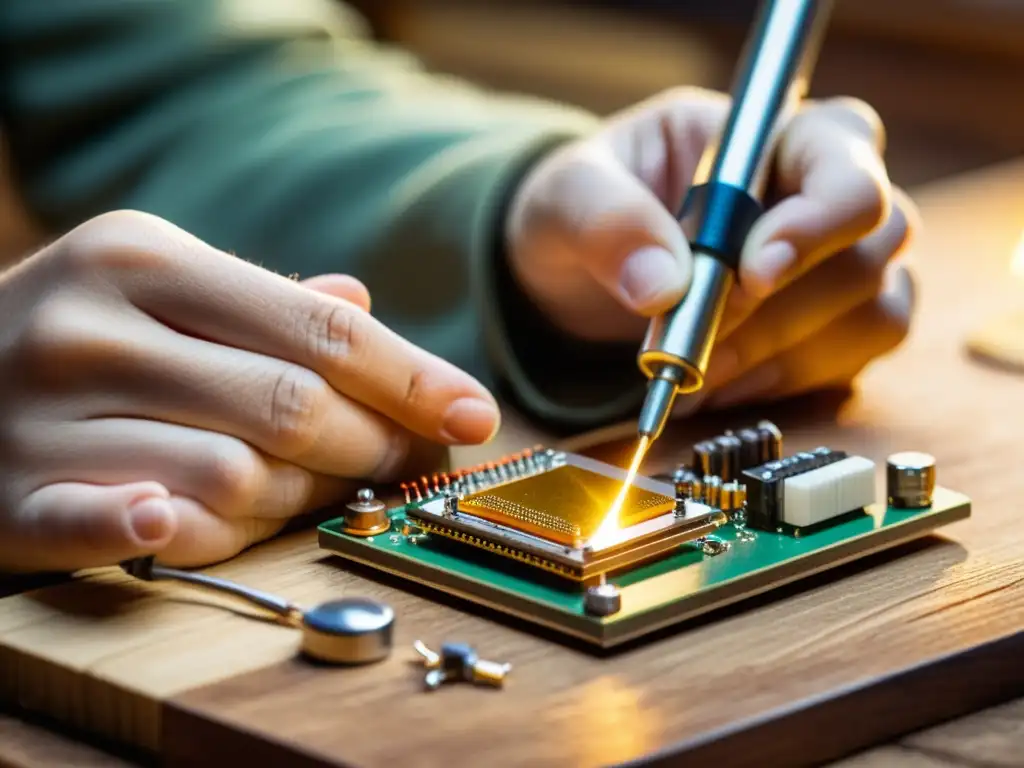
566, 504
684, 582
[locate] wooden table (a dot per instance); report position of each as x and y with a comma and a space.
173, 671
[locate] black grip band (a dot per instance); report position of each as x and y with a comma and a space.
717, 218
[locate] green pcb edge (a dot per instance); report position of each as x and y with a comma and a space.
654, 595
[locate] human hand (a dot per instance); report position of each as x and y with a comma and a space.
593, 240
158, 396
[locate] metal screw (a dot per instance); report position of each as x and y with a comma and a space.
364, 495
602, 600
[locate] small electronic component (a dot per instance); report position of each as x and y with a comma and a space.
549, 514
602, 600
728, 454
367, 515
733, 496
566, 504
458, 662
348, 631
910, 480
808, 488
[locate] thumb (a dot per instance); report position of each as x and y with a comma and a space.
341, 287
619, 230
69, 526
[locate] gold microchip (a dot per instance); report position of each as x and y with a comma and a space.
565, 505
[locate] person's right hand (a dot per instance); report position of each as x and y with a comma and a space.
158, 396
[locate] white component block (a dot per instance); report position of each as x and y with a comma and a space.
828, 492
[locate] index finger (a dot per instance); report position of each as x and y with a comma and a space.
199, 290
834, 187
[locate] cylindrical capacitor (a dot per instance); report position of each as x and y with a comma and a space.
712, 490
683, 479
367, 516
771, 441
707, 458
732, 496
697, 489
910, 480
750, 448
729, 446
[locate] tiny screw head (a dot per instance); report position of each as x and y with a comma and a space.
602, 600
365, 495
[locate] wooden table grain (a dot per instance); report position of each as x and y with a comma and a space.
163, 668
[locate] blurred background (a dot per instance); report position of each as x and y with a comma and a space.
947, 76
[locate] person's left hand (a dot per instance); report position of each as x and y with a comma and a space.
594, 242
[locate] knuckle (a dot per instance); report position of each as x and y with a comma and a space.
51, 338
860, 116
336, 333
231, 476
870, 257
417, 389
114, 241
294, 411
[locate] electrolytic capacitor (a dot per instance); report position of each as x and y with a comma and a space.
367, 515
733, 495
683, 479
697, 489
750, 448
712, 490
771, 441
729, 446
910, 480
707, 458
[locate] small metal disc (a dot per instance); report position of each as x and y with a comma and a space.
602, 600
353, 630
910, 480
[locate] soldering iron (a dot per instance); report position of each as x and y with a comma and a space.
721, 208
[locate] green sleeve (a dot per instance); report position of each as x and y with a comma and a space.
277, 131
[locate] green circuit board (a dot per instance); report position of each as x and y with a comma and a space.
682, 584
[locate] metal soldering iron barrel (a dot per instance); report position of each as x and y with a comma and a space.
721, 208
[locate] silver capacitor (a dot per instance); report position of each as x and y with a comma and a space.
910, 479
367, 515
352, 630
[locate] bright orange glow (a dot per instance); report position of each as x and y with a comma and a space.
610, 525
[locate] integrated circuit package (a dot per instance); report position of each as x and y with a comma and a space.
544, 535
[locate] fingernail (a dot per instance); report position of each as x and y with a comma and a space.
754, 385
650, 277
770, 263
471, 420
151, 519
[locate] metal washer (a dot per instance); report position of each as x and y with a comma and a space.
352, 630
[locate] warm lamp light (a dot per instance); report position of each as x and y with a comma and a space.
1001, 341
1017, 262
